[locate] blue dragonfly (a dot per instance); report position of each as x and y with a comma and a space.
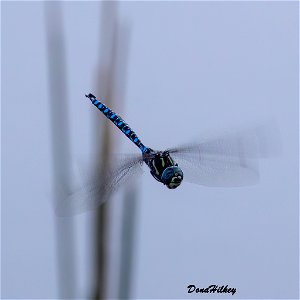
229, 160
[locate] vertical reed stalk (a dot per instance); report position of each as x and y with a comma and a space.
128, 241
105, 85
58, 106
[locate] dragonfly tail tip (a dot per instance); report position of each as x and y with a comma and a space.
90, 96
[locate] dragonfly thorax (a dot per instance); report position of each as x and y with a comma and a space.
163, 168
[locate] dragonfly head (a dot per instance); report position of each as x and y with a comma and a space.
172, 177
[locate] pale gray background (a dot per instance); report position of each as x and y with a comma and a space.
192, 67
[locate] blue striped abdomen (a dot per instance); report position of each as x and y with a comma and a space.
119, 122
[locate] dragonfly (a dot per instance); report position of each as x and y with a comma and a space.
227, 160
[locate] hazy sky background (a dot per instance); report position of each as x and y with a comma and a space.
192, 67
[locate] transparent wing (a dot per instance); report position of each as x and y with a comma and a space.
219, 171
94, 192
227, 160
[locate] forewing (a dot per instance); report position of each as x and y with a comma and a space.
95, 191
226, 160
218, 171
